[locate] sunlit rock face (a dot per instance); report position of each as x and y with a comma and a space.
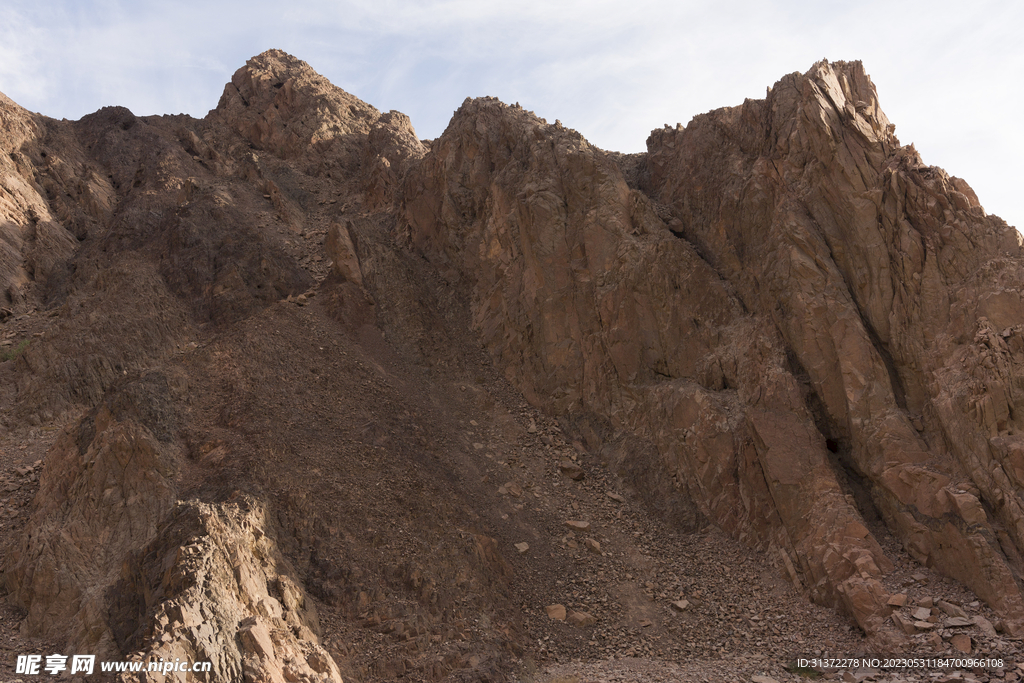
788, 303
255, 342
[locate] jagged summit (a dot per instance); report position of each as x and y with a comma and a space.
286, 390
282, 105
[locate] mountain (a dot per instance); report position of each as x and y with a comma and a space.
291, 391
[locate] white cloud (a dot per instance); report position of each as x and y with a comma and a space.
947, 75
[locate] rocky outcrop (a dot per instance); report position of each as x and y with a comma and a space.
772, 308
344, 259
281, 105
105, 487
870, 265
392, 150
114, 565
212, 587
46, 201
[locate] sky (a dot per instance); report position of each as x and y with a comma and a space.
949, 75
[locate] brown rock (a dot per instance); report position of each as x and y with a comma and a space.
571, 470
866, 600
680, 605
256, 638
961, 642
777, 287
578, 525
985, 626
66, 521
906, 625
838, 181
951, 609
898, 600
581, 619
279, 103
223, 578
556, 612
593, 546
392, 148
921, 613
343, 254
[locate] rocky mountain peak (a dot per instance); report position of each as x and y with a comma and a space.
287, 390
279, 103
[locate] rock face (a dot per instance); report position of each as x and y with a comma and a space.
254, 341
213, 587
284, 107
62, 571
870, 265
808, 323
345, 261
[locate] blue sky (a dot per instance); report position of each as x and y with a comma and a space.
949, 75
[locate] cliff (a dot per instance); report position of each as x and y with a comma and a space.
300, 383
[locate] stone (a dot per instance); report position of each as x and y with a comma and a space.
343, 255
522, 547
571, 470
951, 609
577, 525
680, 605
556, 612
593, 546
616, 497
898, 600
957, 622
255, 636
985, 626
230, 565
66, 514
921, 613
904, 624
961, 642
581, 619
857, 676
865, 599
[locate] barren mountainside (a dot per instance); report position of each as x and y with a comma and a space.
292, 391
